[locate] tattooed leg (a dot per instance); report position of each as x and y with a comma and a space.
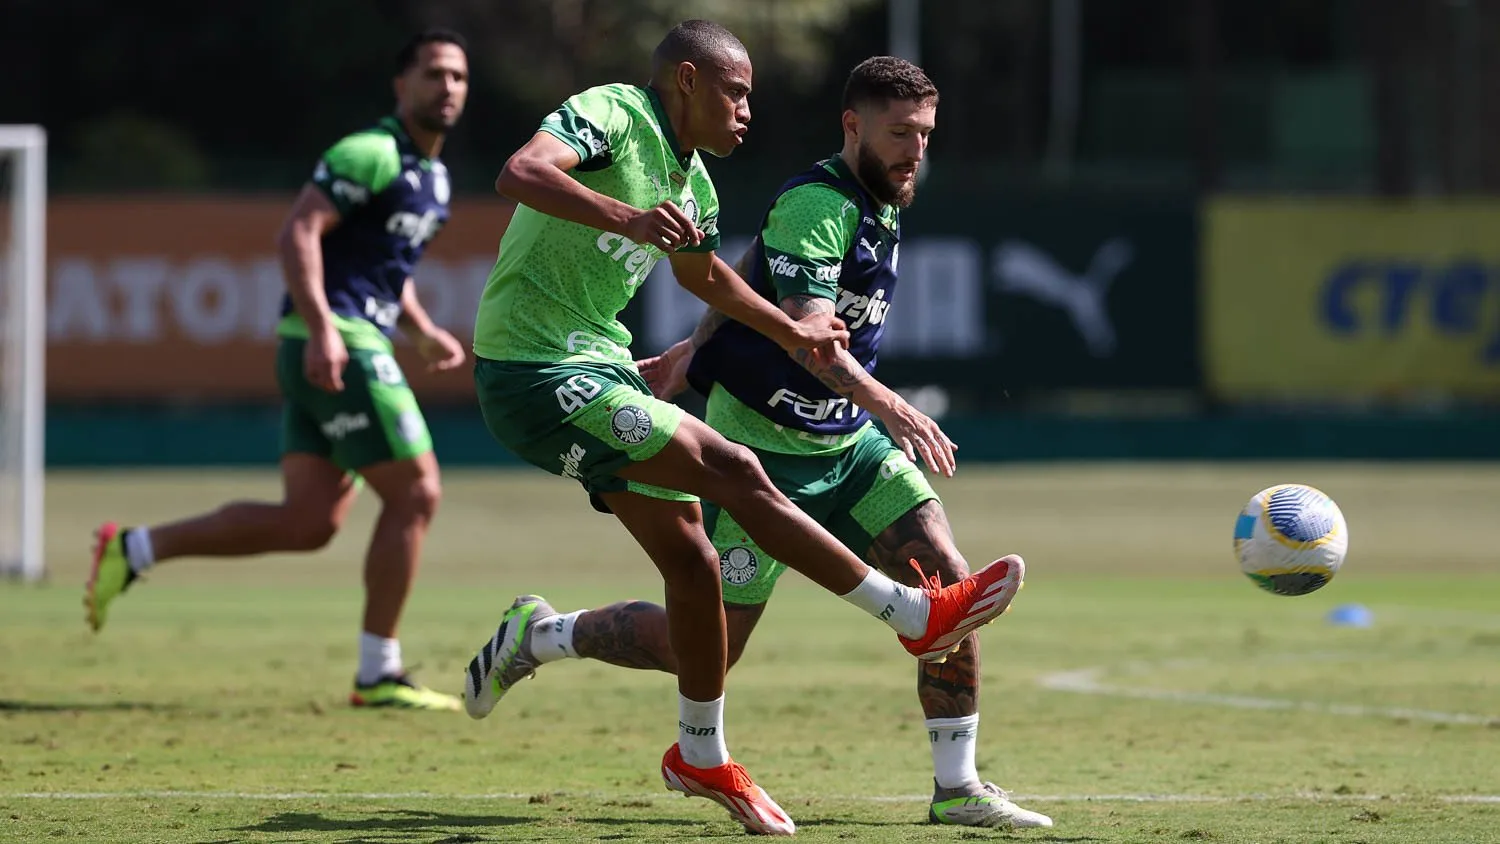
949, 689
633, 634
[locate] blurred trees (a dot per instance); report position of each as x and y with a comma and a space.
1362, 95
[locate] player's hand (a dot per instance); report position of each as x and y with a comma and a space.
441, 350
324, 360
821, 334
665, 227
666, 374
916, 434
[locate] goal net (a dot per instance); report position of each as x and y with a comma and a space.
23, 220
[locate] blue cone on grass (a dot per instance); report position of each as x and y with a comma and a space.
1351, 615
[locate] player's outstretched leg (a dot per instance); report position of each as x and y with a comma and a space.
317, 497
930, 620
630, 634
671, 533
508, 657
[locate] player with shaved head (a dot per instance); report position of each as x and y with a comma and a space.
611, 183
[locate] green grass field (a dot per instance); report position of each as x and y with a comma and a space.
1140, 690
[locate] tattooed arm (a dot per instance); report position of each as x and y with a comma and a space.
840, 373
912, 430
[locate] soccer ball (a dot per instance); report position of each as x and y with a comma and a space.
1291, 539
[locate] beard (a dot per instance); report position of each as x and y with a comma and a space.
432, 120
877, 179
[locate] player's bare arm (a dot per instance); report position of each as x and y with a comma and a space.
914, 431
666, 373
300, 245
536, 175
706, 276
949, 689
436, 345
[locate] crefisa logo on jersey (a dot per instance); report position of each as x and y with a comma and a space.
738, 565
631, 425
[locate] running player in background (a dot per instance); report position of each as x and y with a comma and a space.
828, 245
611, 183
348, 249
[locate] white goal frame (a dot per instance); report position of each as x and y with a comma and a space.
27, 145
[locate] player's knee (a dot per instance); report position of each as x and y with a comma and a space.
422, 500
735, 474
310, 530
695, 576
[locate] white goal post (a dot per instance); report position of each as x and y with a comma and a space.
23, 347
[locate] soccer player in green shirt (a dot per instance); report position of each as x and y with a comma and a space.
349, 246
611, 183
829, 243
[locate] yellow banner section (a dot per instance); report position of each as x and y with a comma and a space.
1314, 299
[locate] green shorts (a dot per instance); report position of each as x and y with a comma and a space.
584, 420
374, 419
855, 494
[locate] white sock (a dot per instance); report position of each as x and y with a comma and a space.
553, 638
700, 732
378, 657
953, 741
902, 607
138, 551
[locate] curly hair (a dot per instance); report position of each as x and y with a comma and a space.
881, 79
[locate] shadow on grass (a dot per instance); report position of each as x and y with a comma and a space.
400, 824
85, 706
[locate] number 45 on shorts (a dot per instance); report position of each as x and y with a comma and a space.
575, 393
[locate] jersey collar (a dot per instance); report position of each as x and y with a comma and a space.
391, 123
886, 214
683, 161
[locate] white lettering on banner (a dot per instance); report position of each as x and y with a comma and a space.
78, 310
941, 290
671, 313
266, 303
207, 306
139, 281
941, 293
211, 299
450, 290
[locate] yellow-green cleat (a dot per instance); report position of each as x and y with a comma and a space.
108, 577
401, 693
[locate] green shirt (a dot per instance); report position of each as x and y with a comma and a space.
807, 233
558, 287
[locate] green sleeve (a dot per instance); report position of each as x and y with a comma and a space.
706, 215
356, 168
593, 123
808, 232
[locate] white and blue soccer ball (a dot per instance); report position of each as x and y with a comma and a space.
1291, 539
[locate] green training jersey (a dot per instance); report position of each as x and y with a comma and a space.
809, 240
558, 287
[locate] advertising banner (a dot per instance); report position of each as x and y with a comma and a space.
1341, 300
177, 299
